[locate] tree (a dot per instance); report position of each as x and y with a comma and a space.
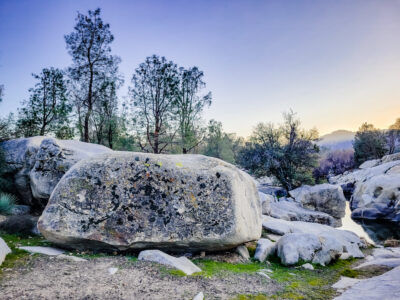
369, 143
155, 84
93, 64
393, 136
47, 108
220, 144
287, 152
1, 92
189, 105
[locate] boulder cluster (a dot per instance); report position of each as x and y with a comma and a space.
374, 189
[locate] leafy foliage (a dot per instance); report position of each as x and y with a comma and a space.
94, 74
286, 152
7, 202
47, 109
369, 143
334, 163
220, 144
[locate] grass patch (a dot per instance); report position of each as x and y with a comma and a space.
18, 256
7, 202
350, 273
215, 268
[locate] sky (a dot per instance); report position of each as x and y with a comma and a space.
335, 63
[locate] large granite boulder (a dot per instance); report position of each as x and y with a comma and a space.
325, 198
312, 242
38, 163
377, 198
389, 164
127, 200
290, 210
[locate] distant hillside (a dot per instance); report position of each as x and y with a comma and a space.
339, 139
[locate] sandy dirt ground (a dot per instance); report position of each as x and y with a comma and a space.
46, 277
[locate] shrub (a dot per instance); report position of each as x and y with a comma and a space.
7, 202
21, 225
334, 163
287, 152
369, 143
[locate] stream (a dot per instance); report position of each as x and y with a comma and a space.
375, 232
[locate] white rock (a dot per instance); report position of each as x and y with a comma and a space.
4, 250
264, 249
345, 283
243, 252
325, 198
181, 263
199, 296
112, 271
293, 247
266, 271
326, 243
263, 275
377, 198
43, 250
345, 256
383, 287
70, 258
308, 266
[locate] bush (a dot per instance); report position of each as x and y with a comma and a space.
20, 225
334, 163
286, 152
7, 202
369, 143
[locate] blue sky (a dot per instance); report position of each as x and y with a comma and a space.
336, 63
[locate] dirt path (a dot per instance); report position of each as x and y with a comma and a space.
51, 278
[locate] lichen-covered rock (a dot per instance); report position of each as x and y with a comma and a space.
38, 163
126, 200
325, 198
377, 198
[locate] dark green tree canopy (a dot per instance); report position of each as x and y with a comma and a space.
47, 109
369, 143
287, 152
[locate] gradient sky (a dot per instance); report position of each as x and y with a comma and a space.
336, 63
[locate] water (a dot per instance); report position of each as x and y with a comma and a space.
375, 232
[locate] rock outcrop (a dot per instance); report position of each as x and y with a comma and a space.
325, 198
127, 200
38, 163
385, 286
312, 242
289, 210
377, 198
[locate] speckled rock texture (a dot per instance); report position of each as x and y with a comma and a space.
127, 200
38, 163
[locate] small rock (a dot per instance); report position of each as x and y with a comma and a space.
43, 250
202, 254
264, 248
4, 250
266, 271
181, 263
71, 258
308, 266
263, 275
199, 296
19, 210
243, 252
112, 271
